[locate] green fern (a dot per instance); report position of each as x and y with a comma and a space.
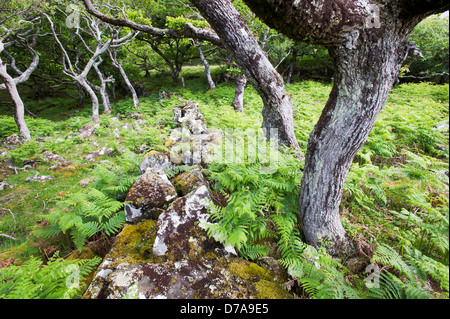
413, 274
82, 215
57, 279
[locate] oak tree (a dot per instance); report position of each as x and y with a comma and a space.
368, 43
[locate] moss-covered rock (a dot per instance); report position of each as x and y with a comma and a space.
188, 181
192, 265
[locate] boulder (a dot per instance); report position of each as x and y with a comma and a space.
183, 213
151, 190
87, 181
56, 160
87, 130
92, 156
193, 265
155, 160
11, 140
190, 149
134, 215
188, 181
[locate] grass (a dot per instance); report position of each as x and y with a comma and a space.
396, 192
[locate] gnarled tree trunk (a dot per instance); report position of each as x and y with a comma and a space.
103, 89
237, 39
10, 84
19, 108
116, 63
368, 43
363, 79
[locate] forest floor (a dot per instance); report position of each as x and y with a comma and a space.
396, 193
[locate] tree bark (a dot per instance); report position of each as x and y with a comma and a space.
238, 102
240, 43
368, 51
19, 108
10, 84
292, 64
363, 79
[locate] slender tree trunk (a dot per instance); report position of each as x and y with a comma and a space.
364, 76
292, 65
103, 87
238, 102
212, 85
80, 94
95, 105
240, 43
19, 108
115, 62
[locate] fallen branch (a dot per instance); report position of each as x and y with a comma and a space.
8, 236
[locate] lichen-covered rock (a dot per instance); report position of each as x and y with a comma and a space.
190, 117
87, 130
57, 161
155, 160
92, 156
188, 181
11, 140
175, 259
205, 271
184, 212
151, 190
40, 179
191, 149
135, 215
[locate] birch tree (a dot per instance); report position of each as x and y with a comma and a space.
25, 39
103, 38
231, 32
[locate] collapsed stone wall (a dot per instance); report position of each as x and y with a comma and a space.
163, 251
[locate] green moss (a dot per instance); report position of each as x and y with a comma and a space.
85, 253
248, 270
271, 290
135, 243
151, 153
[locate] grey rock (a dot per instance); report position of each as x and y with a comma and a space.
185, 210
151, 190
155, 160
39, 179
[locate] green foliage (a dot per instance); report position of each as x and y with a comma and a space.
82, 215
97, 210
58, 279
37, 126
413, 275
180, 22
431, 36
254, 201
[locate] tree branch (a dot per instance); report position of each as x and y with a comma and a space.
189, 31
